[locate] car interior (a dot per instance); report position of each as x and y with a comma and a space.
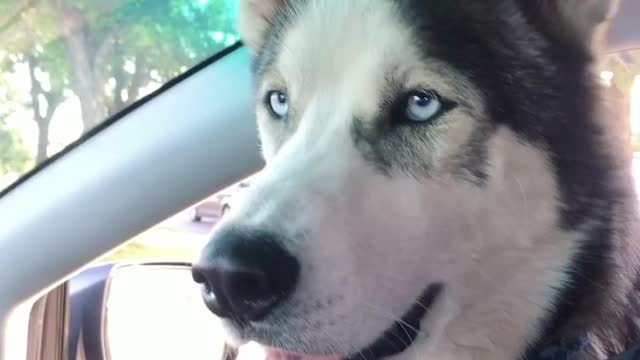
190, 137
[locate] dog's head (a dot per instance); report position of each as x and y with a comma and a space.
429, 176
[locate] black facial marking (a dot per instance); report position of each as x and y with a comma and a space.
394, 143
401, 335
364, 137
268, 53
472, 160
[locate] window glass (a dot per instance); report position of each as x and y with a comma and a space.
182, 236
620, 74
67, 65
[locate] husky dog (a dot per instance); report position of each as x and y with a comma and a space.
440, 183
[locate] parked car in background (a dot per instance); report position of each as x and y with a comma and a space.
209, 208
219, 204
229, 201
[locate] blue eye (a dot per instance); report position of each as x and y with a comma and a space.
422, 106
278, 104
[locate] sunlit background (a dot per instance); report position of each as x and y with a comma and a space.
634, 111
67, 65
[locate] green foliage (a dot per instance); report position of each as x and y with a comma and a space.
170, 33
635, 143
625, 66
158, 243
104, 52
161, 38
14, 157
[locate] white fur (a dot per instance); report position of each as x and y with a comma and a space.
370, 244
254, 17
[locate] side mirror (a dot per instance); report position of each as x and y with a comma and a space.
155, 311
143, 311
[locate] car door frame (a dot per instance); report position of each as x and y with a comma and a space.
179, 123
49, 325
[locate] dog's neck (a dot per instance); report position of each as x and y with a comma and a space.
574, 348
559, 349
556, 349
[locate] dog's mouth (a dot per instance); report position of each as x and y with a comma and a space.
395, 340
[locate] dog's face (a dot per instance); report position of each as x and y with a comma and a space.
419, 209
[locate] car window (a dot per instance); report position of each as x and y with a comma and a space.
67, 65
183, 235
621, 74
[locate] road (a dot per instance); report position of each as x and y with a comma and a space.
182, 222
178, 231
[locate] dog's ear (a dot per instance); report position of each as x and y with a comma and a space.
577, 20
254, 18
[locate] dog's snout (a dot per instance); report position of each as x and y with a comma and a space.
245, 276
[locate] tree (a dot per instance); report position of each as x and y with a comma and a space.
42, 54
14, 157
45, 98
127, 44
105, 52
625, 65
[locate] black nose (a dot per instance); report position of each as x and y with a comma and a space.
244, 276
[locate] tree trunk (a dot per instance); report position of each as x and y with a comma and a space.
52, 99
140, 78
85, 85
131, 84
43, 128
43, 143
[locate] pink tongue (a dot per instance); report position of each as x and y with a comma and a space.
276, 354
